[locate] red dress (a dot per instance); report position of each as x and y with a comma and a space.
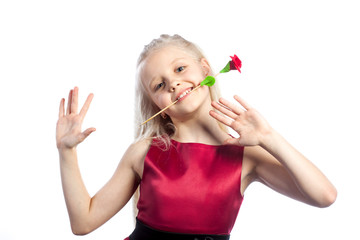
191, 188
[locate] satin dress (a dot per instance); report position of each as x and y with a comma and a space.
191, 188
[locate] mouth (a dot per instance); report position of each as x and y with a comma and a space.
182, 95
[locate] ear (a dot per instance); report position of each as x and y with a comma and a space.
205, 66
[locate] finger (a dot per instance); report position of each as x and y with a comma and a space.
224, 110
74, 100
86, 106
86, 133
236, 109
242, 102
68, 109
61, 109
232, 141
221, 118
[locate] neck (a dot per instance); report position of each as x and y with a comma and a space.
200, 128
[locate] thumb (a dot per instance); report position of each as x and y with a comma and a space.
86, 133
232, 141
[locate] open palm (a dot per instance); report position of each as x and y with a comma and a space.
246, 121
68, 128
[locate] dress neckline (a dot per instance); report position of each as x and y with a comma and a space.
197, 144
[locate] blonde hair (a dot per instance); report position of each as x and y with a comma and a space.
159, 127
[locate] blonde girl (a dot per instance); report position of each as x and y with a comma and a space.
192, 174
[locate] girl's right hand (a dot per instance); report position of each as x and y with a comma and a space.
68, 127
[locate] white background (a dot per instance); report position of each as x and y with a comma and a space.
300, 70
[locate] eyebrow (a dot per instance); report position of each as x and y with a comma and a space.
172, 62
150, 82
176, 59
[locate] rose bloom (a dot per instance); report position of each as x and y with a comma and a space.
235, 64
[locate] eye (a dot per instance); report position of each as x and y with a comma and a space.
160, 85
180, 69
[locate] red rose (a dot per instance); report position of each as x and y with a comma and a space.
235, 63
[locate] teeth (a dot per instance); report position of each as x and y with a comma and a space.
183, 94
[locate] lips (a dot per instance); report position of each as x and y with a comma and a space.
184, 93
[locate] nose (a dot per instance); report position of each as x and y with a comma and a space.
174, 85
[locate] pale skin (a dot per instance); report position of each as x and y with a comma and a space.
268, 157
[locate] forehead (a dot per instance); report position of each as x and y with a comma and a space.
162, 58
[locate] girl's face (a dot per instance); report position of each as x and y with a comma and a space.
169, 74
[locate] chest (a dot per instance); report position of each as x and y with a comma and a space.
187, 169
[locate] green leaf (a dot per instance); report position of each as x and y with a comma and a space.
208, 81
226, 68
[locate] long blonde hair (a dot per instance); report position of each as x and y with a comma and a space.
159, 127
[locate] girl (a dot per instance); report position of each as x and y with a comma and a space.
192, 174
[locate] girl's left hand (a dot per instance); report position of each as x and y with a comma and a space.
245, 120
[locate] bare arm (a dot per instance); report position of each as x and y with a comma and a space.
275, 162
87, 213
281, 167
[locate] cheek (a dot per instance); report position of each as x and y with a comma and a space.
161, 101
205, 91
195, 77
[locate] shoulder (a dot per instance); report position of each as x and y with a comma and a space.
259, 160
135, 155
255, 157
138, 148
255, 154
